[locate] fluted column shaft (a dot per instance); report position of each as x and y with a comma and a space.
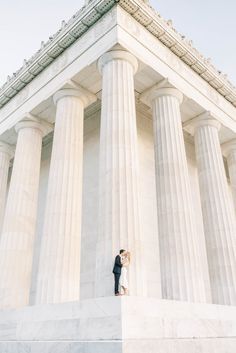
16, 245
181, 271
218, 217
119, 191
6, 153
59, 268
230, 151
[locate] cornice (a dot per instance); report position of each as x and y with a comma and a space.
57, 43
91, 13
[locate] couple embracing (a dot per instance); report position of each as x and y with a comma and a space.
122, 261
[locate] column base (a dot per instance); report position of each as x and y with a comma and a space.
119, 325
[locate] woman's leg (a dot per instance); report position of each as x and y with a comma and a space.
125, 291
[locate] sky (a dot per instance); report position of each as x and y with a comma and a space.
210, 24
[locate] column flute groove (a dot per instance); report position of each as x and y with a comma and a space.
6, 153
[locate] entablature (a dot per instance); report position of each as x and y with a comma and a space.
87, 16
120, 27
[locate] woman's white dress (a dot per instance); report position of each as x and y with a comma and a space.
123, 278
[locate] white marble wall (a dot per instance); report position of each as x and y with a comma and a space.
150, 248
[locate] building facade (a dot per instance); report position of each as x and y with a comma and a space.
116, 134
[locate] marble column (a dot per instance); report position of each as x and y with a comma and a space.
180, 258
6, 153
119, 172
229, 149
16, 245
59, 267
218, 214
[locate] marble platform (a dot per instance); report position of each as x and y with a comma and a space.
119, 325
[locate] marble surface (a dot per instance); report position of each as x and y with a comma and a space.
124, 324
219, 345
62, 347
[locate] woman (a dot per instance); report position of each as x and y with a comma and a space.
125, 260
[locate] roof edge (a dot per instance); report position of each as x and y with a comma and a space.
90, 14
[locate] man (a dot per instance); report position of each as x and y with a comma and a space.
117, 271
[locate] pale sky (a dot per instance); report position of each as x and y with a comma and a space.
210, 24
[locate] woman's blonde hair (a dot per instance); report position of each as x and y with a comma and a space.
128, 255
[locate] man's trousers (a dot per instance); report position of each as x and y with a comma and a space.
117, 279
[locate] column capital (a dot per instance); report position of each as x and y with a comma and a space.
30, 121
204, 119
6, 148
228, 147
117, 55
81, 93
159, 90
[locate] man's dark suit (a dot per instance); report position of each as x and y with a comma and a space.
117, 272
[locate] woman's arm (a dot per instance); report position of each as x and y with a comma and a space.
125, 261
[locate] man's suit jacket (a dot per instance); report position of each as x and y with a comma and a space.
117, 265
